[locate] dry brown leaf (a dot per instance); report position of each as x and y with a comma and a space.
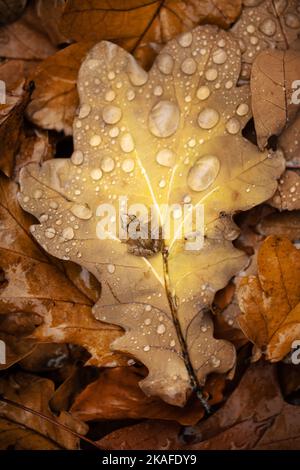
64, 311
187, 120
265, 24
286, 224
16, 348
55, 99
287, 195
46, 357
34, 393
289, 141
137, 23
23, 39
115, 395
272, 77
11, 121
16, 437
254, 417
49, 15
10, 11
270, 302
289, 379
35, 147
148, 435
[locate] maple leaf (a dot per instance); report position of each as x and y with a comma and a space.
272, 77
30, 312
167, 137
34, 392
265, 24
270, 302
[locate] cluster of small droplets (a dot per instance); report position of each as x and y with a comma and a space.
266, 24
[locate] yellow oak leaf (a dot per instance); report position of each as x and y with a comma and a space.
170, 137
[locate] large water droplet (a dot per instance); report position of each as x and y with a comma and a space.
77, 157
219, 56
37, 194
268, 27
233, 126
96, 174
164, 119
110, 95
127, 143
50, 232
68, 233
292, 21
161, 329
95, 140
111, 268
137, 75
111, 114
211, 74
203, 173
208, 118
185, 39
165, 63
81, 211
166, 157
203, 93
189, 66
107, 164
128, 165
242, 109
84, 111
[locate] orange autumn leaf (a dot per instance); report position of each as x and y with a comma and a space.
116, 395
55, 98
143, 21
270, 301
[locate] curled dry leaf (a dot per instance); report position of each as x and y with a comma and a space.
272, 77
166, 137
287, 195
142, 22
10, 11
11, 120
16, 437
157, 139
286, 224
34, 393
265, 24
55, 99
62, 313
116, 395
270, 302
255, 416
